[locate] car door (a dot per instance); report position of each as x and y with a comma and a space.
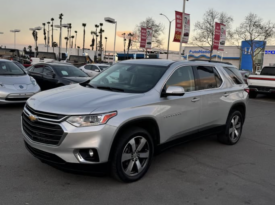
212, 97
36, 73
49, 78
180, 115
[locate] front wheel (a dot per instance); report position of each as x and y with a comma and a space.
132, 156
233, 130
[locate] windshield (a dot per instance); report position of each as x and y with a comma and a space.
19, 65
268, 71
68, 71
103, 67
9, 68
130, 78
46, 55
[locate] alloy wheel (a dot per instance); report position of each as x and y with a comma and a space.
135, 156
235, 128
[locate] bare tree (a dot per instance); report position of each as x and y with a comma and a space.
254, 29
205, 29
158, 29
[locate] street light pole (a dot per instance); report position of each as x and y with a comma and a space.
168, 34
113, 21
15, 31
48, 43
182, 31
105, 45
84, 25
1, 33
60, 35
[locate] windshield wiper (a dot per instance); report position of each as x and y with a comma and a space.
110, 88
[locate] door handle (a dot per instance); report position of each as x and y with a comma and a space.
195, 99
226, 95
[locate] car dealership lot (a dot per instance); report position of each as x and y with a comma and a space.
199, 172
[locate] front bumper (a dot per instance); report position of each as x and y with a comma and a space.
56, 161
75, 139
12, 97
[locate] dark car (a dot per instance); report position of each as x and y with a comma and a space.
79, 61
53, 75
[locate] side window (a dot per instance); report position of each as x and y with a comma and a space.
183, 77
209, 77
234, 75
88, 67
38, 69
47, 71
95, 69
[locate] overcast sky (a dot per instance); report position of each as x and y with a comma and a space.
19, 14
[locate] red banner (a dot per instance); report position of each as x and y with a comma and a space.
143, 37
178, 29
219, 37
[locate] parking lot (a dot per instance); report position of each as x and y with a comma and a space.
199, 172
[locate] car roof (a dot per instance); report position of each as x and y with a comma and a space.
5, 60
156, 62
164, 62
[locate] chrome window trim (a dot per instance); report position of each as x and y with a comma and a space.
223, 81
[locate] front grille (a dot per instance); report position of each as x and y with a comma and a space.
42, 132
49, 116
16, 99
45, 155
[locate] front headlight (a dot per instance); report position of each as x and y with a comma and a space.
33, 81
90, 120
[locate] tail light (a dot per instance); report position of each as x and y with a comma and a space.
247, 90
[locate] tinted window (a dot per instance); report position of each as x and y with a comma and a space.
268, 71
88, 67
132, 78
38, 69
235, 75
68, 71
47, 71
95, 68
19, 65
209, 77
183, 77
43, 55
9, 68
103, 67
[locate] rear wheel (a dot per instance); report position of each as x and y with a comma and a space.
132, 156
252, 94
233, 129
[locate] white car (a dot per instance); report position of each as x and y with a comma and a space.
16, 86
94, 69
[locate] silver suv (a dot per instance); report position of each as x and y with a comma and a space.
119, 119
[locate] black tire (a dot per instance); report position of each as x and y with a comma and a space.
124, 147
252, 94
229, 136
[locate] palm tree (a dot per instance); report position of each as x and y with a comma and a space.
75, 39
66, 38
52, 19
84, 25
72, 44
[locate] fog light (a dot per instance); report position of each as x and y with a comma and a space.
91, 153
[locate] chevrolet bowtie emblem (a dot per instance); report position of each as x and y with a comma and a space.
33, 118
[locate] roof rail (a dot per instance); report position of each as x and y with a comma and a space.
211, 61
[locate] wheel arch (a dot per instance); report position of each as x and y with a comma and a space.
240, 106
147, 123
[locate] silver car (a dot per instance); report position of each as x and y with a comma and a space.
119, 119
15, 85
94, 69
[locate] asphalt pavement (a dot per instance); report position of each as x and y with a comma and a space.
199, 172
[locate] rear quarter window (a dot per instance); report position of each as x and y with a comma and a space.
234, 74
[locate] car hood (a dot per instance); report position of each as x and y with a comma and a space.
77, 79
76, 99
16, 79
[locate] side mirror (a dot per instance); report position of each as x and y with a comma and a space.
53, 75
173, 91
246, 75
97, 70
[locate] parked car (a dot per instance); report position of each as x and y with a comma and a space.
116, 121
79, 61
53, 75
94, 69
15, 84
15, 55
263, 83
